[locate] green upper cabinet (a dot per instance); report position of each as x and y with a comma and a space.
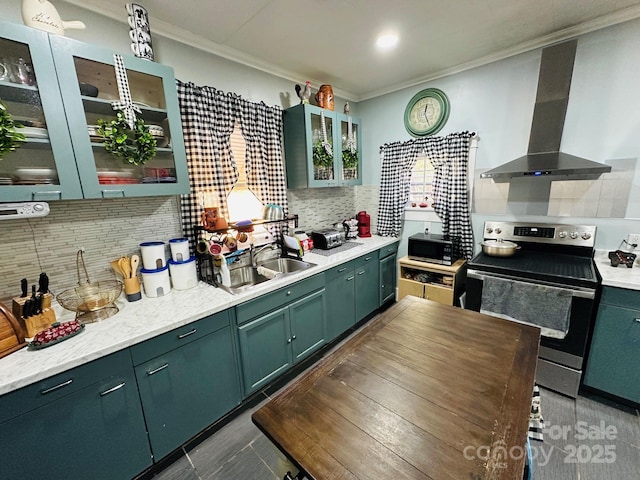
61, 159
322, 148
43, 167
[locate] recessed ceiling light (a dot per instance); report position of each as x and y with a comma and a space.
387, 41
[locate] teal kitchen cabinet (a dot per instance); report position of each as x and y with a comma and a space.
43, 167
279, 329
308, 163
188, 378
341, 292
388, 273
367, 286
60, 160
84, 423
614, 361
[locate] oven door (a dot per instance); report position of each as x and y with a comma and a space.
565, 353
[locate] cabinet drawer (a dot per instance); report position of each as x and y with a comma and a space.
338, 271
33, 396
438, 294
178, 337
384, 252
273, 300
621, 297
366, 259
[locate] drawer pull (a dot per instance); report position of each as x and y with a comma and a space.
637, 320
340, 270
57, 387
288, 292
187, 334
156, 370
350, 278
112, 389
367, 259
361, 273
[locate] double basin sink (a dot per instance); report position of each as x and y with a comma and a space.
243, 278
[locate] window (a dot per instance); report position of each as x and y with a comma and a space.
421, 185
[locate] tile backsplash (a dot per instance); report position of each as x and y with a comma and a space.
108, 229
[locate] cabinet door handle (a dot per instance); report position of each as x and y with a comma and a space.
156, 370
340, 270
367, 259
637, 320
288, 340
187, 334
288, 292
113, 194
350, 278
57, 387
112, 389
293, 338
52, 195
361, 273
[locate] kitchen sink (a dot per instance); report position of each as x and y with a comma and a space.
243, 278
287, 265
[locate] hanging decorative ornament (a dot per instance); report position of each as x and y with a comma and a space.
351, 141
325, 143
125, 104
140, 32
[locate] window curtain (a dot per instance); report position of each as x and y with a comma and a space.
208, 119
450, 158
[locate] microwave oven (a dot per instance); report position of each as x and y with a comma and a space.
434, 248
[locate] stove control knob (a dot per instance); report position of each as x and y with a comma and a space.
586, 236
562, 234
573, 235
489, 230
498, 231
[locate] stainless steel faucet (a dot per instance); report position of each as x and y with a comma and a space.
253, 252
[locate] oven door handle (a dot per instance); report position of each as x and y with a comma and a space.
581, 292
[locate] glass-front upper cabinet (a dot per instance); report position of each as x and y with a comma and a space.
89, 88
321, 149
40, 164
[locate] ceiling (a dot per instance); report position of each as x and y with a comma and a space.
332, 41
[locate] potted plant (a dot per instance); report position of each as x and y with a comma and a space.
10, 139
133, 146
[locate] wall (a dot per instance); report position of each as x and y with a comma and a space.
497, 100
110, 228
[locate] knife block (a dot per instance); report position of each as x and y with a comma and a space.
34, 323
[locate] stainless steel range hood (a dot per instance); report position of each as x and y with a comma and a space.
544, 157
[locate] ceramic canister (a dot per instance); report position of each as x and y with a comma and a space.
179, 249
183, 274
156, 282
153, 255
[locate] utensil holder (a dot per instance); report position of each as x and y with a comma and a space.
35, 323
132, 289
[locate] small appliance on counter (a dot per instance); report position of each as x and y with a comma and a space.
434, 248
326, 239
350, 227
364, 224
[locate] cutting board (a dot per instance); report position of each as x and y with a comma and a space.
11, 333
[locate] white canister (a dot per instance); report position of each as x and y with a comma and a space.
183, 274
156, 282
153, 255
179, 249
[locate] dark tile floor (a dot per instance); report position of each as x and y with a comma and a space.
588, 438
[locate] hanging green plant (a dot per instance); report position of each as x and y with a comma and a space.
321, 157
349, 158
134, 147
10, 139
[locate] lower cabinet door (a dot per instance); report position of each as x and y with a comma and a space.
308, 326
367, 286
265, 350
341, 304
410, 287
97, 432
614, 363
187, 389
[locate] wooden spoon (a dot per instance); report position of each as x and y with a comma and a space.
125, 265
135, 261
115, 264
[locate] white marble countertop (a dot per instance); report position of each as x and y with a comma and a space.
620, 276
149, 317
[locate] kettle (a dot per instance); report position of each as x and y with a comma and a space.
364, 224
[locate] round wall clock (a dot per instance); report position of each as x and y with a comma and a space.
426, 112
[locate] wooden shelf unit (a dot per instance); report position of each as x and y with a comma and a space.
440, 283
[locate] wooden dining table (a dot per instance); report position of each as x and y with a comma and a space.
423, 391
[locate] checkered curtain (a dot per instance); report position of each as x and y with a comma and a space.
450, 158
208, 119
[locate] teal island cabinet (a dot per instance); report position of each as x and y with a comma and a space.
322, 148
188, 378
614, 355
66, 87
83, 423
279, 329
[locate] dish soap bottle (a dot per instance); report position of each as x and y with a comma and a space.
225, 275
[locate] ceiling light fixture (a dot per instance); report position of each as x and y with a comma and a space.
387, 41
